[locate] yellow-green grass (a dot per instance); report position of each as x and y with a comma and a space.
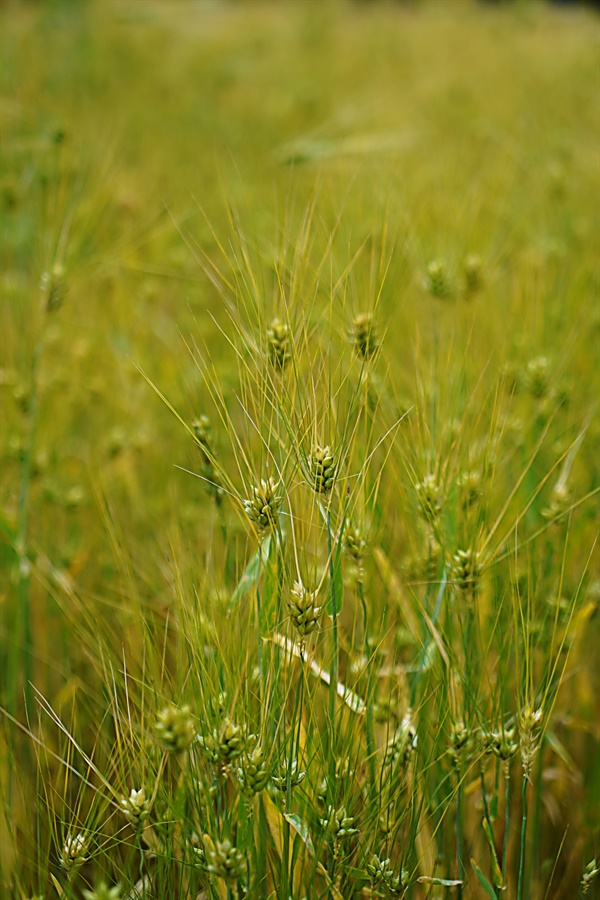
185, 173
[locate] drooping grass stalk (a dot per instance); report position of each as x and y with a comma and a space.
523, 840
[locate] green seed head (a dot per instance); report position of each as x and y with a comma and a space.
354, 543
338, 824
436, 278
203, 432
304, 612
459, 741
469, 487
136, 807
560, 501
278, 339
296, 776
224, 860
473, 273
254, 772
364, 336
323, 469
590, 873
224, 745
529, 721
264, 504
53, 286
501, 743
466, 571
402, 744
174, 728
537, 377
431, 497
73, 853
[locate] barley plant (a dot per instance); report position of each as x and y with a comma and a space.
300, 450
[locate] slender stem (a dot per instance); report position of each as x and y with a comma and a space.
523, 840
506, 817
331, 795
262, 849
285, 858
24, 632
486, 808
369, 716
459, 847
334, 662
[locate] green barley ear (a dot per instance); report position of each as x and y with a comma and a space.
296, 776
224, 745
381, 874
469, 489
103, 892
402, 744
136, 808
431, 498
466, 571
253, 773
459, 742
204, 438
263, 506
304, 612
74, 852
529, 737
364, 336
174, 729
590, 873
473, 273
337, 824
537, 377
224, 860
203, 434
501, 743
436, 278
560, 501
354, 544
323, 469
278, 342
53, 286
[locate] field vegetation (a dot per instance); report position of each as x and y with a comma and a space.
300, 450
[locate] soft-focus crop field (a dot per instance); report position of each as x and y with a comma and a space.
300, 450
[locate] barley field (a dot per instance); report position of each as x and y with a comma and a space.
300, 450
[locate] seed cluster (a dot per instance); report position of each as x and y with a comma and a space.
263, 506
136, 807
278, 338
175, 729
323, 469
364, 335
304, 612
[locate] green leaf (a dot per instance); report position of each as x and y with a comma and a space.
445, 882
251, 573
301, 829
496, 870
483, 881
